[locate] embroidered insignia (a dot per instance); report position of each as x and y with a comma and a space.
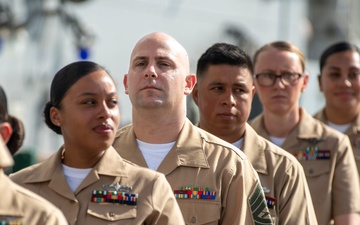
314, 141
312, 153
195, 193
258, 207
266, 190
271, 202
114, 193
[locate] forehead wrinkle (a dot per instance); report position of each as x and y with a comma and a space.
167, 43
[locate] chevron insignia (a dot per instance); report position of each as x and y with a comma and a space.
259, 208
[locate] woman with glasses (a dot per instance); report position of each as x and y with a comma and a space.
339, 80
324, 153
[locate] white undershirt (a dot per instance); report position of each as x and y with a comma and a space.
154, 154
342, 128
277, 140
238, 143
75, 176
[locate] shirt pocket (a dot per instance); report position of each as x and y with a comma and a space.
98, 212
197, 212
318, 175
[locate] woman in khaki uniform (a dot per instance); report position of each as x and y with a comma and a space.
224, 93
325, 154
19, 205
339, 80
86, 178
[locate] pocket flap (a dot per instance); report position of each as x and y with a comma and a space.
112, 212
199, 212
316, 167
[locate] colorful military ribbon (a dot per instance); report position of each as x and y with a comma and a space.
189, 192
101, 196
312, 153
11, 222
271, 202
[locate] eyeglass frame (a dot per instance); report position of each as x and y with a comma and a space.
280, 76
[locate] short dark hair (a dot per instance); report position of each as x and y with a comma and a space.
223, 53
18, 134
335, 48
62, 82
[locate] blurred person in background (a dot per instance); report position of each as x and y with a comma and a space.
11, 128
86, 178
325, 154
339, 80
223, 94
19, 205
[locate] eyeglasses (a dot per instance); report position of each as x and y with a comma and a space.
269, 79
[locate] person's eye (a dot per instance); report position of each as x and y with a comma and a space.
240, 90
113, 102
164, 64
89, 102
289, 76
354, 75
140, 64
217, 88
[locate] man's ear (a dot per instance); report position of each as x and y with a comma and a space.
189, 83
319, 82
125, 84
195, 93
6, 131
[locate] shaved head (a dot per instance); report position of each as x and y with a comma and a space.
163, 41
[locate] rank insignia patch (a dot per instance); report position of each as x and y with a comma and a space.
195, 193
258, 207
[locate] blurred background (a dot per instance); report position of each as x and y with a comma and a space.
38, 37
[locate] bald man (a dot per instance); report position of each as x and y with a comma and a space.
213, 181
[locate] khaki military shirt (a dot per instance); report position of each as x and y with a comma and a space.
283, 180
202, 161
353, 132
20, 206
155, 203
328, 162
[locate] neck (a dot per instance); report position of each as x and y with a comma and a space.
226, 134
158, 127
341, 116
281, 125
76, 159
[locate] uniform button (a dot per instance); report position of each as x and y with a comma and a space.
311, 171
112, 214
193, 219
73, 202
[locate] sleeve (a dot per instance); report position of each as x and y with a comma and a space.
294, 200
346, 190
244, 201
166, 209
